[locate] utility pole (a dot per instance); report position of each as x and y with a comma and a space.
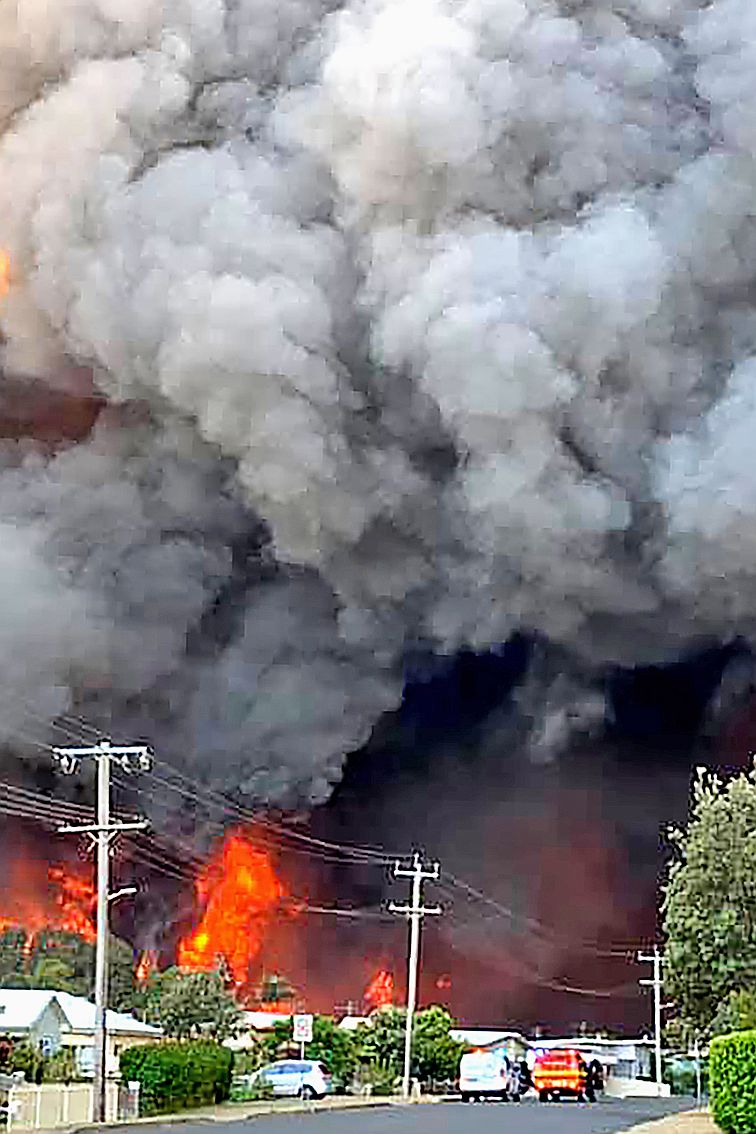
697, 1057
414, 913
130, 758
656, 983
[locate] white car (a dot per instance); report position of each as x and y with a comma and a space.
297, 1078
487, 1075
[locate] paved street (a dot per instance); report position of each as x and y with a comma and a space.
450, 1118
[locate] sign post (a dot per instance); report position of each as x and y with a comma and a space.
302, 1032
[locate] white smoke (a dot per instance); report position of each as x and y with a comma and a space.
455, 297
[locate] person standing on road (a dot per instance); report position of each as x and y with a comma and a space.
594, 1080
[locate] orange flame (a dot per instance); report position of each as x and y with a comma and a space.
380, 992
5, 272
36, 897
146, 966
239, 892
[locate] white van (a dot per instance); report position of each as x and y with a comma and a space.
485, 1075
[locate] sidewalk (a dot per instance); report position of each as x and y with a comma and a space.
235, 1112
690, 1122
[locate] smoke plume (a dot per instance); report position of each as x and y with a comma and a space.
416, 326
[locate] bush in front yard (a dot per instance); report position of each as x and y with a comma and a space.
175, 1075
732, 1082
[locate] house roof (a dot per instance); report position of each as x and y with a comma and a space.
261, 1021
80, 1014
20, 1008
482, 1037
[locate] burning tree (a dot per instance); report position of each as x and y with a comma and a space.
238, 893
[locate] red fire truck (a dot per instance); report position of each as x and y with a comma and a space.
560, 1073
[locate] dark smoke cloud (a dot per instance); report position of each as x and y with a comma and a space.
442, 324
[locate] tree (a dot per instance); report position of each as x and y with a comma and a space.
65, 962
435, 1055
381, 1041
736, 1013
330, 1045
710, 899
187, 1005
13, 959
28, 1058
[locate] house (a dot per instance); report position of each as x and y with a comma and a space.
31, 1015
251, 1024
495, 1039
56, 1020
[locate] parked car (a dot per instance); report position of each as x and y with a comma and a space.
297, 1078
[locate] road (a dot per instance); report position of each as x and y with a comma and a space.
530, 1117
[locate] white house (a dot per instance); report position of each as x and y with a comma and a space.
55, 1020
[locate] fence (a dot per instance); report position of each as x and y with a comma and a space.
58, 1104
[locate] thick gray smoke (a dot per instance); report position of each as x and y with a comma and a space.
440, 317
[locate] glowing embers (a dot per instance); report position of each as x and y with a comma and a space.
239, 894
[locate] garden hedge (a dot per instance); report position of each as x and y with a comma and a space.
732, 1082
178, 1074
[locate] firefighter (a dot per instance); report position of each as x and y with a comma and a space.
595, 1080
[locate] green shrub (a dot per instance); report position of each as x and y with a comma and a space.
732, 1082
244, 1089
61, 1067
379, 1079
177, 1074
28, 1058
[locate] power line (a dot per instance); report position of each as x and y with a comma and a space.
539, 928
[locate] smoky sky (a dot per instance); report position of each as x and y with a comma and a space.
370, 332
575, 849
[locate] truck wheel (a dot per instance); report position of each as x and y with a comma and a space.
543, 1096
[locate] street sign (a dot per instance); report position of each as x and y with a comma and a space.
303, 1029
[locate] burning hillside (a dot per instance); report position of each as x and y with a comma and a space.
37, 896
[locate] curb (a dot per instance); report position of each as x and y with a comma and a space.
252, 1110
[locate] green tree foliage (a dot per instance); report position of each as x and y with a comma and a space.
187, 1005
331, 1045
13, 959
65, 962
381, 1041
28, 1058
736, 1013
176, 1075
435, 1055
710, 899
732, 1075
61, 1067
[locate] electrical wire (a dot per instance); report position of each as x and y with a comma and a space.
538, 928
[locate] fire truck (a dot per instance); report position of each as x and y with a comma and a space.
560, 1073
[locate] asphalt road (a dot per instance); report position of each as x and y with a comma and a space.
529, 1117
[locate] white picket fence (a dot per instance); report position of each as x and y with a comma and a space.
56, 1104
